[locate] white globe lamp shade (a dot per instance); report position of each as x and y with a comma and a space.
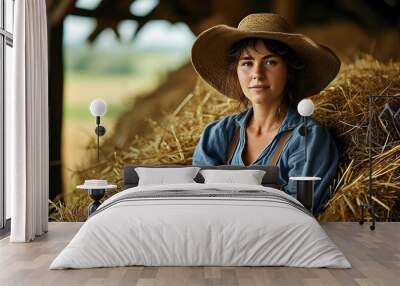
98, 107
305, 107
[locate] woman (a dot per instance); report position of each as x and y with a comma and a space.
262, 63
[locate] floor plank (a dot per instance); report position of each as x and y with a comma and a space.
375, 257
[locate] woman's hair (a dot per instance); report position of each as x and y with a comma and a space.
293, 63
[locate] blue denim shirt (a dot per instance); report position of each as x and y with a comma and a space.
322, 152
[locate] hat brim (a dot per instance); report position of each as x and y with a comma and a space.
209, 58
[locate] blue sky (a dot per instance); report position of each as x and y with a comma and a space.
154, 34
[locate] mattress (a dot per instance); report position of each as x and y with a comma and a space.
201, 225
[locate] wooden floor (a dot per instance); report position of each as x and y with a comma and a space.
375, 256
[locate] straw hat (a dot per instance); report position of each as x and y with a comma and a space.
209, 52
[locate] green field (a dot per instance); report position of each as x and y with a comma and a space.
115, 75
117, 90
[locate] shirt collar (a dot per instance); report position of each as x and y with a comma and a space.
291, 120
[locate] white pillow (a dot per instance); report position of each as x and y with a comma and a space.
248, 177
162, 176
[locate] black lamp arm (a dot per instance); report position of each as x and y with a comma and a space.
303, 132
100, 131
305, 138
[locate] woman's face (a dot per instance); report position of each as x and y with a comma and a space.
262, 74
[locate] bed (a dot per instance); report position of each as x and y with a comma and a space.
201, 224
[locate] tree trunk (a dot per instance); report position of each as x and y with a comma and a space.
56, 83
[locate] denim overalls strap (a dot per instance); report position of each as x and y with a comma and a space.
233, 146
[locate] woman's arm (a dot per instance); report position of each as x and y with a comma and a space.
214, 141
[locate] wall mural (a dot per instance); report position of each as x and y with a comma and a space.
161, 122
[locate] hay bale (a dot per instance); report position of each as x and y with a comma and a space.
342, 107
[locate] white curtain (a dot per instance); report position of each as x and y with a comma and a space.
27, 124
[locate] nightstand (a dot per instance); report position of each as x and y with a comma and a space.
96, 190
305, 191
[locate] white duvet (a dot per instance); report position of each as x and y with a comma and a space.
183, 231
